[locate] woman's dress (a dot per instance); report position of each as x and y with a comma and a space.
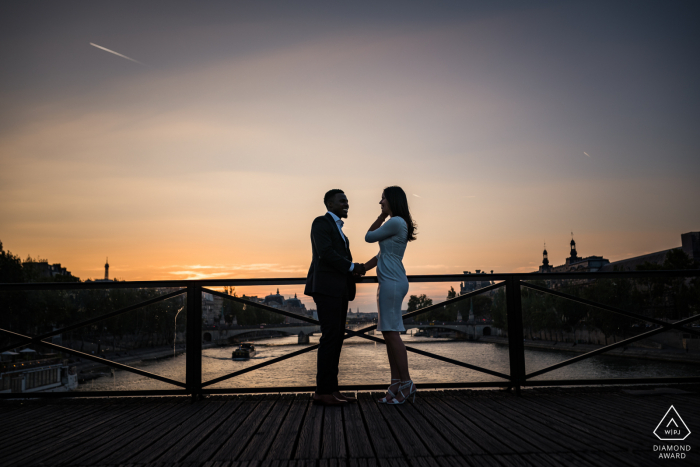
393, 284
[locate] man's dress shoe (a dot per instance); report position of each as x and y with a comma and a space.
342, 397
328, 400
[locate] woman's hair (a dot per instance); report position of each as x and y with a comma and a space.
399, 207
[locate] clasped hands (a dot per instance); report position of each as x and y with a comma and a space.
359, 270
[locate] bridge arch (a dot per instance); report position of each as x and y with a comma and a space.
486, 331
206, 337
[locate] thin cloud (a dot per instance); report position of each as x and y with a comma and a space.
586, 153
115, 53
416, 195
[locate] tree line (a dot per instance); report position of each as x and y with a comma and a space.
662, 298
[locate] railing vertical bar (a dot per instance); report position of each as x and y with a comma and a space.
516, 348
193, 355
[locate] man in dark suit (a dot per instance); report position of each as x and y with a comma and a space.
331, 283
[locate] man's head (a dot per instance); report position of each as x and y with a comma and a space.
336, 202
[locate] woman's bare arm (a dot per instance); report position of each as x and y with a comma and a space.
371, 264
378, 223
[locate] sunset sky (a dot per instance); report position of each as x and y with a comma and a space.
509, 124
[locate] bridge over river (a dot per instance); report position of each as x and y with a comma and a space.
232, 334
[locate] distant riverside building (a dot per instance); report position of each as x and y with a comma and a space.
212, 308
357, 316
690, 244
574, 263
291, 305
470, 286
45, 270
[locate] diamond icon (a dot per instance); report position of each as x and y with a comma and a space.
672, 427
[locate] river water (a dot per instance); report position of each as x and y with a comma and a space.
365, 362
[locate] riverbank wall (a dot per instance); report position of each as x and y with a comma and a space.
668, 354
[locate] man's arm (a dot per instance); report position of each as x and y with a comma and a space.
321, 237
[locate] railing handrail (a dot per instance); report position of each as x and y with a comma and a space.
195, 288
183, 283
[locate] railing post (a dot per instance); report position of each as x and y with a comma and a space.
516, 348
193, 355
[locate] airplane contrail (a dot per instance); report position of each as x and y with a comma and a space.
115, 53
586, 153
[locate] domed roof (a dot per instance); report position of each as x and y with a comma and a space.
293, 302
274, 298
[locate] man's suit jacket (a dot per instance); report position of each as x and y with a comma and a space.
329, 273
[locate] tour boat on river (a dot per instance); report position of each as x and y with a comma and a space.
244, 351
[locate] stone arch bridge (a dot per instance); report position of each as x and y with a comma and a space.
233, 334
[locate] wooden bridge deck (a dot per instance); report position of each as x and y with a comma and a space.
544, 427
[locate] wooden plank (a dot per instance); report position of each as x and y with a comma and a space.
449, 431
49, 424
55, 447
265, 435
475, 439
333, 439
378, 432
144, 440
193, 438
19, 415
513, 460
393, 461
539, 440
433, 439
515, 441
423, 462
286, 439
120, 440
562, 424
224, 433
354, 462
205, 450
556, 441
302, 463
51, 416
202, 412
309, 445
332, 462
646, 458
272, 463
409, 441
541, 459
356, 433
606, 420
689, 403
232, 448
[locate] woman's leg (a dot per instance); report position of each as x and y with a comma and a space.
392, 365
397, 348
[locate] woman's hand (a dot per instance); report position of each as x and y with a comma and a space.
378, 223
372, 263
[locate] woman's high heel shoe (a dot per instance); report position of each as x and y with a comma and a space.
411, 392
389, 392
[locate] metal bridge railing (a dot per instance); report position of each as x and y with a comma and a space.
194, 386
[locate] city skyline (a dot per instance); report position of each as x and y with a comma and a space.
197, 141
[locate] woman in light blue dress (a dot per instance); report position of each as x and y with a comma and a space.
393, 235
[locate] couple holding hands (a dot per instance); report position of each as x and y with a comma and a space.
331, 284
